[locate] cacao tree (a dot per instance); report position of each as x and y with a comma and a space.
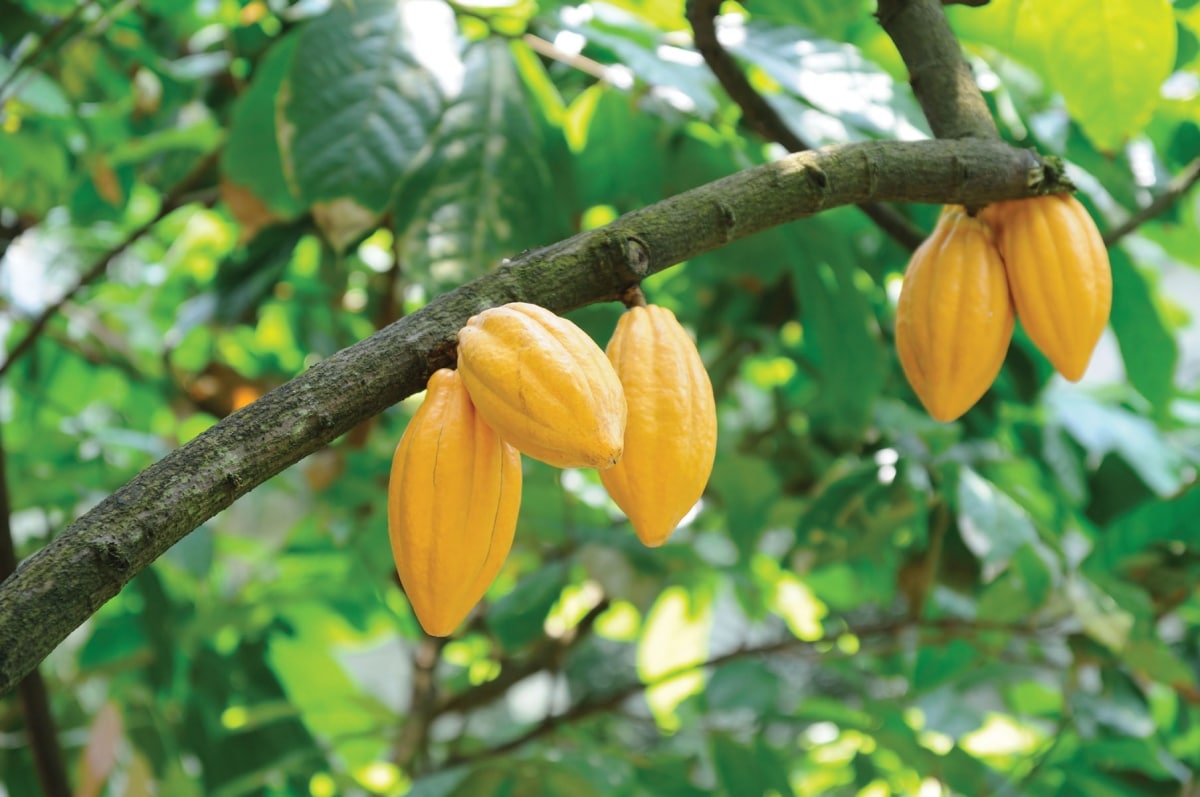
239, 236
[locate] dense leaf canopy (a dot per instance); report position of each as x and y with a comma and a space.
201, 202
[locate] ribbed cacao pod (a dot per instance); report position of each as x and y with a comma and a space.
453, 497
1058, 273
543, 385
671, 434
955, 316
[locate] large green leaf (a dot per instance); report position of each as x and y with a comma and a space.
1103, 429
252, 157
1107, 58
621, 146
675, 637
993, 526
487, 189
745, 769
843, 95
365, 92
1170, 521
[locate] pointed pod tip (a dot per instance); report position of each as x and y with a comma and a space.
654, 542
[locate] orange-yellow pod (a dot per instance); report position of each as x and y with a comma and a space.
544, 385
453, 497
671, 431
1059, 275
955, 317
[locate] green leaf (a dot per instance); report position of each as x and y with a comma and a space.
517, 618
33, 171
992, 525
248, 276
1103, 429
841, 335
524, 778
842, 94
36, 89
674, 637
747, 770
683, 84
939, 664
748, 488
1108, 58
1147, 345
1150, 524
620, 159
364, 94
1152, 658
743, 684
487, 188
1102, 618
252, 157
669, 775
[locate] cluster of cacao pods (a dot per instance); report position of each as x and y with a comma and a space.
530, 381
1040, 260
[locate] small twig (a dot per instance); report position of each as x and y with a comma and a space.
35, 702
172, 201
412, 745
545, 656
763, 119
1180, 184
584, 64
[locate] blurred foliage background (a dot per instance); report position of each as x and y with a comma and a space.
866, 602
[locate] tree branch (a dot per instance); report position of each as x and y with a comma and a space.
937, 70
1179, 185
35, 702
56, 589
950, 628
763, 119
546, 655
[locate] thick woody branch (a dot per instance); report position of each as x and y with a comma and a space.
60, 586
758, 114
940, 76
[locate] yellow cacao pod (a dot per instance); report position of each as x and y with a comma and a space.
955, 317
1058, 273
671, 434
544, 385
453, 496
